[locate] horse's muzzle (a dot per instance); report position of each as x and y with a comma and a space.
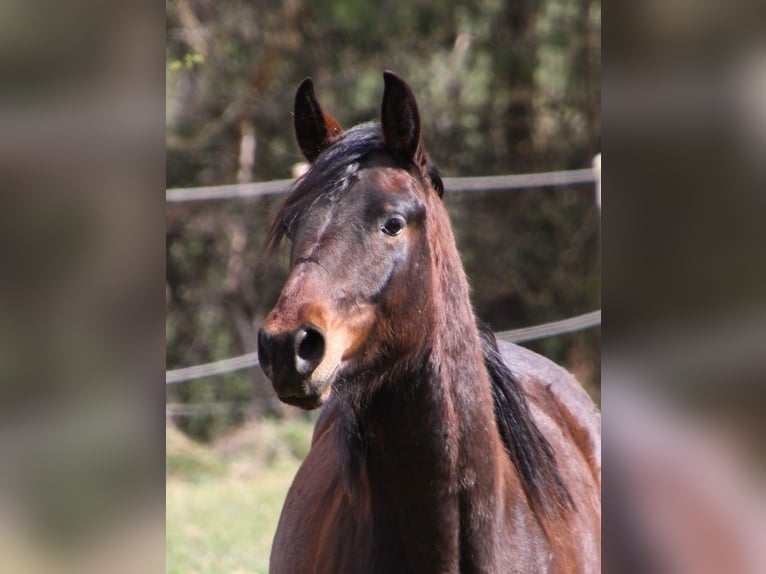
289, 359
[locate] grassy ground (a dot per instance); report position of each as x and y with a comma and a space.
223, 501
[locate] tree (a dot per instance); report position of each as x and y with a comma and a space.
503, 87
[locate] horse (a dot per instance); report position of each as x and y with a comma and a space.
438, 449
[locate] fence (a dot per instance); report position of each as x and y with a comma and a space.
452, 185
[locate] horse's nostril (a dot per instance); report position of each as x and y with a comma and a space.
265, 349
309, 349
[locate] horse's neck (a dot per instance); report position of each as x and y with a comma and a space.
440, 406
431, 465
459, 373
423, 444
434, 454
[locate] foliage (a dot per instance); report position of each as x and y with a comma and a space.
187, 459
504, 87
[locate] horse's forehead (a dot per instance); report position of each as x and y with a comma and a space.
394, 180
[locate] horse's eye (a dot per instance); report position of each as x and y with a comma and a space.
393, 225
287, 231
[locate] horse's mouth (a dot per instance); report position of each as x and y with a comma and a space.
309, 395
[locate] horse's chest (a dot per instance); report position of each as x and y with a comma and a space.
368, 547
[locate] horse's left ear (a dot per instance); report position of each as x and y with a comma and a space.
314, 128
400, 118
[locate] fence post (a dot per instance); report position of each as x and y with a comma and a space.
597, 170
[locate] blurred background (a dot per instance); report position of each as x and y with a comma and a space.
503, 88
96, 96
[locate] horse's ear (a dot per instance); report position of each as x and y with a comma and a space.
400, 118
314, 128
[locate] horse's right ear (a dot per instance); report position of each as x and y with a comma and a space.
314, 128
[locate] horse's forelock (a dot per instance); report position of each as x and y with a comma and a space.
331, 174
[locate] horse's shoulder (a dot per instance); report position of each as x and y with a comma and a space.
304, 514
331, 523
552, 388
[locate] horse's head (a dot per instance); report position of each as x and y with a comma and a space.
360, 264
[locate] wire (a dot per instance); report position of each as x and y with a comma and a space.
451, 184
250, 360
209, 369
570, 325
197, 409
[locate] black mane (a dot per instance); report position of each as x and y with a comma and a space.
529, 451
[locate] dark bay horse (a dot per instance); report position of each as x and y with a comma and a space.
437, 450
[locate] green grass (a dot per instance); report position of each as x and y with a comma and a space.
223, 502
